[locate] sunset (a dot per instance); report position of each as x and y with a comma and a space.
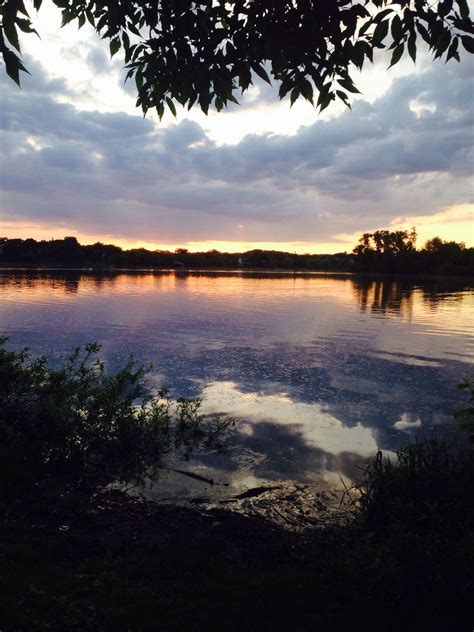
78, 158
236, 315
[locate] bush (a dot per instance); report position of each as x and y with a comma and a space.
77, 424
426, 490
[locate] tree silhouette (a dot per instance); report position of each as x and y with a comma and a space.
187, 52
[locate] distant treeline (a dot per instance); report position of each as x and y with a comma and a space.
69, 252
381, 251
395, 252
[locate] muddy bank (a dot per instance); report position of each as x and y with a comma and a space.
119, 563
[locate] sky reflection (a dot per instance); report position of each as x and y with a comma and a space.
320, 370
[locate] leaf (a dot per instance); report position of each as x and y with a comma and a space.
25, 26
326, 101
463, 8
114, 46
396, 27
295, 93
218, 103
306, 90
125, 40
445, 7
423, 32
442, 43
357, 55
348, 85
453, 50
139, 80
10, 31
343, 96
171, 106
13, 65
468, 43
261, 72
380, 32
397, 53
380, 16
412, 46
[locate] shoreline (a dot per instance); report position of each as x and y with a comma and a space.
118, 563
242, 272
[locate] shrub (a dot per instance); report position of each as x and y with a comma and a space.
427, 489
79, 424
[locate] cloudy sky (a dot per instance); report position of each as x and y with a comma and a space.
77, 158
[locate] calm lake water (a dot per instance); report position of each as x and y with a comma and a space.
318, 370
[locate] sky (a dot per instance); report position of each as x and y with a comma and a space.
77, 157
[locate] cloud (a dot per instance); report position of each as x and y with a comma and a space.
406, 154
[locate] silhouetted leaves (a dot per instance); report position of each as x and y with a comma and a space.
204, 52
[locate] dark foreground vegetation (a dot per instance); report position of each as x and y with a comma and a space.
78, 556
381, 251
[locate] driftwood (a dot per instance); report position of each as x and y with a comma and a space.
254, 491
198, 477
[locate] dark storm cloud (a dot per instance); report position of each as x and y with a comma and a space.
406, 153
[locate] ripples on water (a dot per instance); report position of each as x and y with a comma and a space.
319, 370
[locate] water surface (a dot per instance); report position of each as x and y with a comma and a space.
318, 370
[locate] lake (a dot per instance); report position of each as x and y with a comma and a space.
319, 371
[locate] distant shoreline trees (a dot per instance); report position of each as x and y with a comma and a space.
381, 251
395, 252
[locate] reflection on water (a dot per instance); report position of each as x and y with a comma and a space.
319, 370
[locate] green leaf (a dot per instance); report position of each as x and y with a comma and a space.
397, 53
114, 46
82, 21
218, 103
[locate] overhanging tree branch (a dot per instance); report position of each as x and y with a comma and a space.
207, 52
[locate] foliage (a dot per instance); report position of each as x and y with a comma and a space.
68, 252
384, 242
395, 251
186, 52
78, 423
427, 489
465, 416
